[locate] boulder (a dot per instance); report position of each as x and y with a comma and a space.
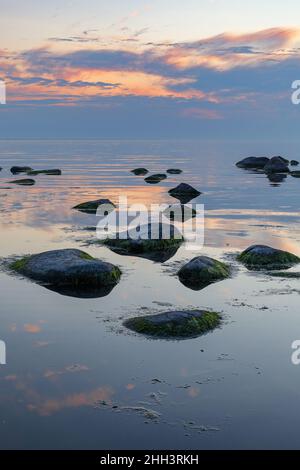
294, 163
295, 174
265, 257
140, 171
253, 162
174, 171
156, 242
276, 165
44, 172
20, 169
175, 325
91, 207
154, 179
202, 271
24, 182
69, 270
184, 193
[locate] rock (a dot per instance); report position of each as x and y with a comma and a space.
202, 271
295, 174
70, 272
44, 172
174, 171
140, 171
276, 165
24, 182
176, 325
180, 213
276, 178
265, 257
184, 193
156, 242
20, 169
294, 163
154, 179
253, 162
91, 207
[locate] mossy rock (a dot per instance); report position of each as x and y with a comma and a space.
261, 257
175, 325
54, 172
140, 171
154, 179
156, 242
285, 274
69, 270
203, 271
24, 182
91, 207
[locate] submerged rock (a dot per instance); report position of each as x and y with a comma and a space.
69, 271
24, 182
180, 212
154, 179
265, 257
277, 165
156, 242
294, 163
20, 169
91, 207
140, 171
184, 193
295, 174
44, 172
174, 171
202, 271
177, 324
253, 162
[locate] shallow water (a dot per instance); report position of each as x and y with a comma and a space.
75, 378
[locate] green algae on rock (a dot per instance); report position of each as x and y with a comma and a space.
176, 325
261, 257
68, 269
157, 242
202, 271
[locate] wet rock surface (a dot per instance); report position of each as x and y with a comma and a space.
202, 271
91, 207
265, 257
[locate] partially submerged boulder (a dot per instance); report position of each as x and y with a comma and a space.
156, 242
253, 162
53, 172
261, 257
15, 170
180, 213
202, 271
295, 174
69, 270
294, 163
91, 207
175, 325
277, 165
24, 182
184, 193
154, 179
174, 171
140, 171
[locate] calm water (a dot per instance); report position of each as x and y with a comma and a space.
75, 378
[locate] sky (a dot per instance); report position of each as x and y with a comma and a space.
149, 69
